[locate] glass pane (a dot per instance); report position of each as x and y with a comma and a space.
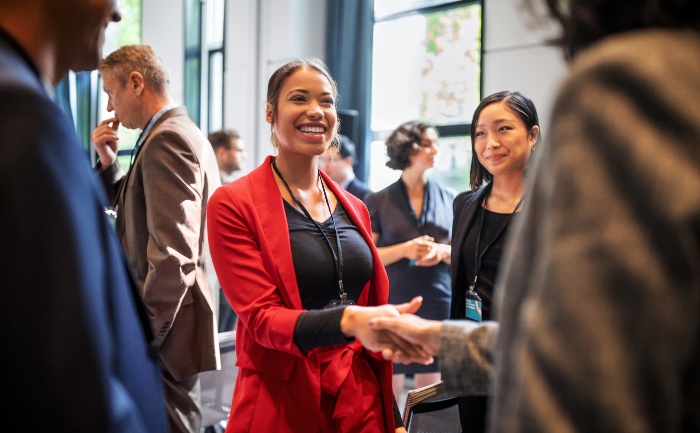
451, 168
380, 176
216, 91
426, 67
125, 32
388, 7
215, 23
193, 71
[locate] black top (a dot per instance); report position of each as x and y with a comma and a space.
491, 259
395, 221
317, 280
316, 274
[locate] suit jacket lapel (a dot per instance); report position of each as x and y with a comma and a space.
177, 111
466, 218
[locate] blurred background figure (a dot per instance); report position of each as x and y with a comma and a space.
230, 152
230, 155
338, 165
412, 228
505, 129
76, 339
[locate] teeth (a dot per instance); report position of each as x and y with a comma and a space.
311, 129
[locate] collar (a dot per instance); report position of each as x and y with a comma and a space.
153, 120
12, 42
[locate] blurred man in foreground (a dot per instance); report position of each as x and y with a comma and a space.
74, 330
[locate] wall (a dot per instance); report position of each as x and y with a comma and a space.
162, 28
264, 34
516, 56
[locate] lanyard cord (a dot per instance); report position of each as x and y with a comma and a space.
338, 259
478, 256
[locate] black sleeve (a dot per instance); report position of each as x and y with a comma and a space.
397, 415
319, 328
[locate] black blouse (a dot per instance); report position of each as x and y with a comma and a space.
491, 259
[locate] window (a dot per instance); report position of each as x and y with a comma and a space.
426, 65
204, 62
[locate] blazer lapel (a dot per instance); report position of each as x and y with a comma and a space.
465, 220
177, 111
269, 205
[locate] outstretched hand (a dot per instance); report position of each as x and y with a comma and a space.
423, 335
355, 323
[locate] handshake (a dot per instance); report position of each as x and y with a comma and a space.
394, 331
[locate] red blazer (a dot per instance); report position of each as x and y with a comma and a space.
278, 388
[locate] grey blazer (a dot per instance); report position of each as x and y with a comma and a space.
161, 206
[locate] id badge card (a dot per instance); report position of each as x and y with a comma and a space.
473, 304
338, 303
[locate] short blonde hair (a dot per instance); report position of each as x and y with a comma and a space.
142, 59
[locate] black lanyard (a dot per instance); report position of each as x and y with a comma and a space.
478, 256
338, 259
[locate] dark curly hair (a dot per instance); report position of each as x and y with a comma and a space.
405, 141
520, 105
584, 22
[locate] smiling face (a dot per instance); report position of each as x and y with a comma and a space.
427, 154
502, 142
305, 116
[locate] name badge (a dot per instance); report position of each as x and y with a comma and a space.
473, 304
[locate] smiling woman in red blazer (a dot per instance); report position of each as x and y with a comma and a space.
293, 252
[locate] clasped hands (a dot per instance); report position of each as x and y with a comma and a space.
394, 331
424, 251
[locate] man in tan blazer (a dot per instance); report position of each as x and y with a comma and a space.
160, 208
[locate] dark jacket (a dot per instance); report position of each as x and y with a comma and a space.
75, 335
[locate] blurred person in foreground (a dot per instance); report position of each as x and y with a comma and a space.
338, 164
75, 334
160, 204
599, 298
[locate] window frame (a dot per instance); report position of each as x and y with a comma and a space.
444, 131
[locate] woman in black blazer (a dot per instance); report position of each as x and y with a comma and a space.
504, 133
